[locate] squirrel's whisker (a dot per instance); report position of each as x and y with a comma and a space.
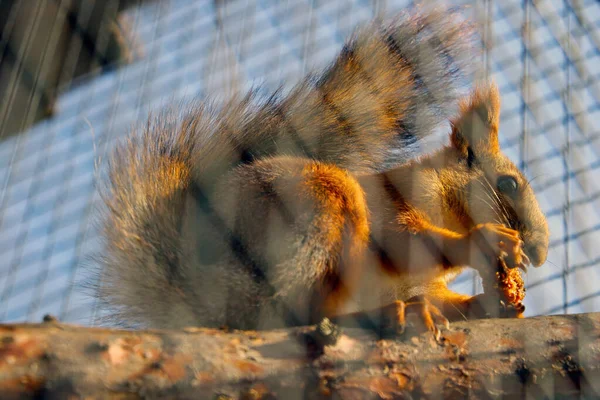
499, 202
499, 216
535, 177
499, 210
553, 264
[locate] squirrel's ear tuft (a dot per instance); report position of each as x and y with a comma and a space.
477, 124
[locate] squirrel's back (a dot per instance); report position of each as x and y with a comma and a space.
393, 83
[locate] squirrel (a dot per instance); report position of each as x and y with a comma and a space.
283, 211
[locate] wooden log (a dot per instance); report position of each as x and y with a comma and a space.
551, 356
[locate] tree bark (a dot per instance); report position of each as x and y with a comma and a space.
552, 356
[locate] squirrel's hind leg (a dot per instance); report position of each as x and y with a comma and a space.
306, 223
391, 319
438, 306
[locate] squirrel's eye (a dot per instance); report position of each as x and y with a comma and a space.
507, 185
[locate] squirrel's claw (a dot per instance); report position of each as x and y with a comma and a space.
429, 315
493, 241
523, 266
525, 262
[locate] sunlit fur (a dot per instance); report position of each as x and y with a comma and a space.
281, 211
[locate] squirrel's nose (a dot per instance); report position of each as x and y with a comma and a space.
537, 253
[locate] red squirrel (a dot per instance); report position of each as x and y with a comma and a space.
282, 211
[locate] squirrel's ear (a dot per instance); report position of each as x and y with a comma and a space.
477, 124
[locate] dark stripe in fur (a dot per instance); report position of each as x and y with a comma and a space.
417, 79
255, 268
252, 267
471, 159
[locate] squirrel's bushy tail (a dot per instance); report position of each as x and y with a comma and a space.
392, 84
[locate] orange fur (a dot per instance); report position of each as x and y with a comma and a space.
479, 114
340, 196
343, 216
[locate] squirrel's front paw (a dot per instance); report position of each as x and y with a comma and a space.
485, 243
394, 315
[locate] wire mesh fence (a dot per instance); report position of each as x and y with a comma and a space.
544, 56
